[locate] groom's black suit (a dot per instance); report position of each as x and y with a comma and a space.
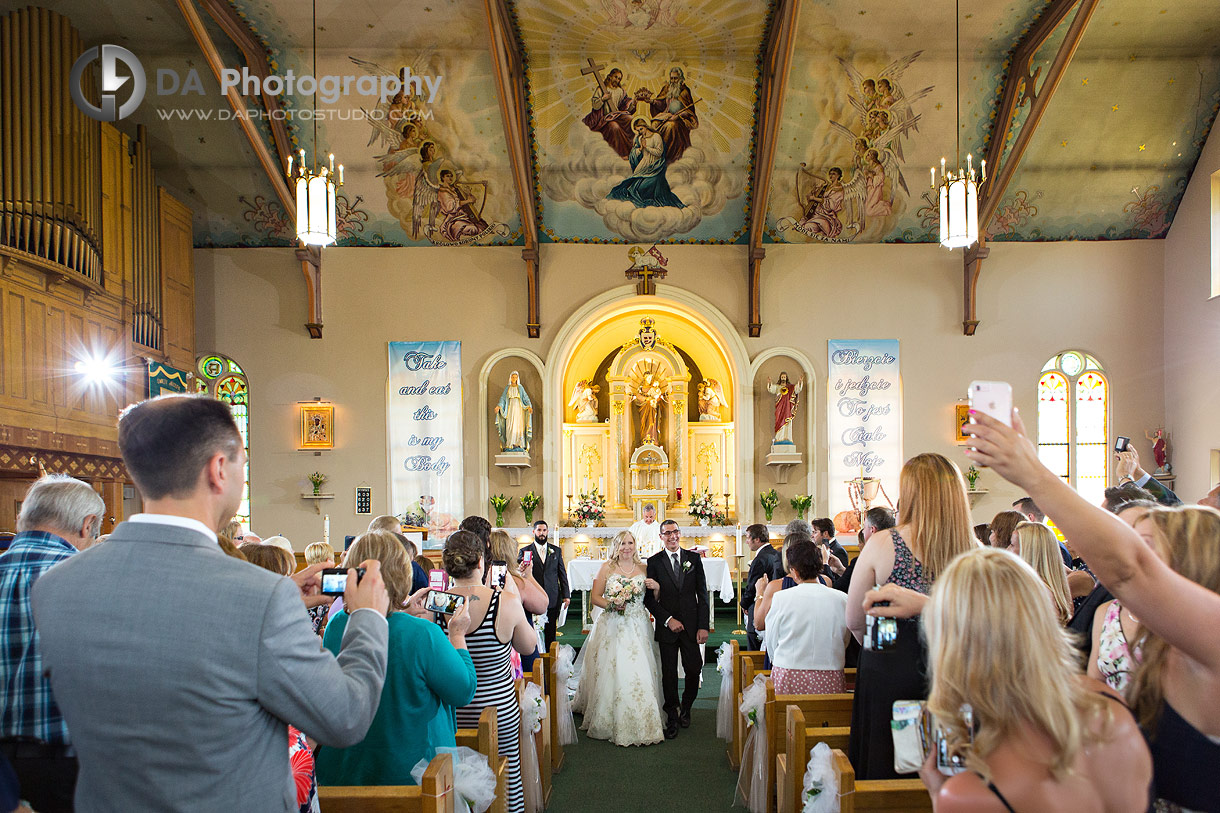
684, 597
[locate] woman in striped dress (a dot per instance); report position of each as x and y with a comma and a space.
498, 625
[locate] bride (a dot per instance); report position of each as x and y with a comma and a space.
620, 688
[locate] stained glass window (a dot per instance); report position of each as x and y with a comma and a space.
224, 380
1073, 422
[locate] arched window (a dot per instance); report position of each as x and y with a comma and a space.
225, 380
1073, 422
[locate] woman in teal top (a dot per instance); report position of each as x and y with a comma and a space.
428, 675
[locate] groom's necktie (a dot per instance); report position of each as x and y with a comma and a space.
677, 571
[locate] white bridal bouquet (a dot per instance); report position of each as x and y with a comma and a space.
621, 593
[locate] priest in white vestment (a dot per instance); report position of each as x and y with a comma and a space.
647, 532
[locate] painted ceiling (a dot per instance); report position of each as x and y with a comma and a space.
643, 116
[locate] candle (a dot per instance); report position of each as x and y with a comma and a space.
601, 485
933, 171
568, 489
341, 175
694, 484
585, 490
326, 529
726, 482
737, 544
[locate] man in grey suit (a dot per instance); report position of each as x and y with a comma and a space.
177, 667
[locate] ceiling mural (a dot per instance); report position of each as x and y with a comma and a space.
871, 107
642, 115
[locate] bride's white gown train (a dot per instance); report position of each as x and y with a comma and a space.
620, 685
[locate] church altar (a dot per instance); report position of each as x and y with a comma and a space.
582, 572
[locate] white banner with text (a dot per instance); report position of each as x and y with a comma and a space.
864, 417
425, 436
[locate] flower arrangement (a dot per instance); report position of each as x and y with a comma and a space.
769, 500
621, 593
590, 508
500, 502
528, 503
972, 476
703, 508
802, 503
317, 479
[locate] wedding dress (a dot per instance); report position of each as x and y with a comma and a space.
620, 685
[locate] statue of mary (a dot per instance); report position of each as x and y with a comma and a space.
514, 417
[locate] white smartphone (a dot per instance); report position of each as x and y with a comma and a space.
992, 398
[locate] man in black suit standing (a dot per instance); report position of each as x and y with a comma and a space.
551, 574
766, 563
682, 615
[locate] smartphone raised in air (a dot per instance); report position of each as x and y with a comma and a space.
992, 398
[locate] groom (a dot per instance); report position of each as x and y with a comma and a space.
681, 612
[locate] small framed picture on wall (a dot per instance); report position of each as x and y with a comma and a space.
961, 414
317, 426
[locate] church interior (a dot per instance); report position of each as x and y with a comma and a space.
572, 260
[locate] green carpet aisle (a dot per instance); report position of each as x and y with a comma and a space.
725, 620
689, 773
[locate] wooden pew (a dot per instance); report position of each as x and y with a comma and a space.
542, 739
865, 796
434, 795
849, 678
746, 664
819, 710
790, 764
486, 740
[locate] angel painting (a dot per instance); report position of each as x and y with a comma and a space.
711, 400
584, 399
822, 206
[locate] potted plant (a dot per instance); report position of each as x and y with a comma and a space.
500, 502
703, 508
317, 479
590, 509
802, 503
769, 500
528, 503
972, 477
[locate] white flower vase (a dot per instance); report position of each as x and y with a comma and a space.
703, 521
590, 523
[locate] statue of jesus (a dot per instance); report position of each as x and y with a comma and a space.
648, 398
786, 395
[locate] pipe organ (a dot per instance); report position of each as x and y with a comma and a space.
95, 260
50, 172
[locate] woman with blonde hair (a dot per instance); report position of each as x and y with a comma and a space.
619, 666
1042, 736
427, 678
933, 527
1037, 545
522, 585
1174, 691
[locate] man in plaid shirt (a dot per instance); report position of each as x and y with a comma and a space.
60, 515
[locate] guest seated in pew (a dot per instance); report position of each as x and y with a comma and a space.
1001, 528
1115, 650
806, 627
933, 527
427, 678
1177, 603
1045, 737
1036, 544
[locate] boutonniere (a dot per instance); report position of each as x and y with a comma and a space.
685, 566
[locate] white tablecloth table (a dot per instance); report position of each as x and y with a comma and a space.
582, 572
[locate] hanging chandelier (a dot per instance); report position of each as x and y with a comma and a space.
958, 191
317, 220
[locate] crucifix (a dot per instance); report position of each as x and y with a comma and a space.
595, 69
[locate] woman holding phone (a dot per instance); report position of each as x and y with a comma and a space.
427, 678
1174, 689
497, 625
